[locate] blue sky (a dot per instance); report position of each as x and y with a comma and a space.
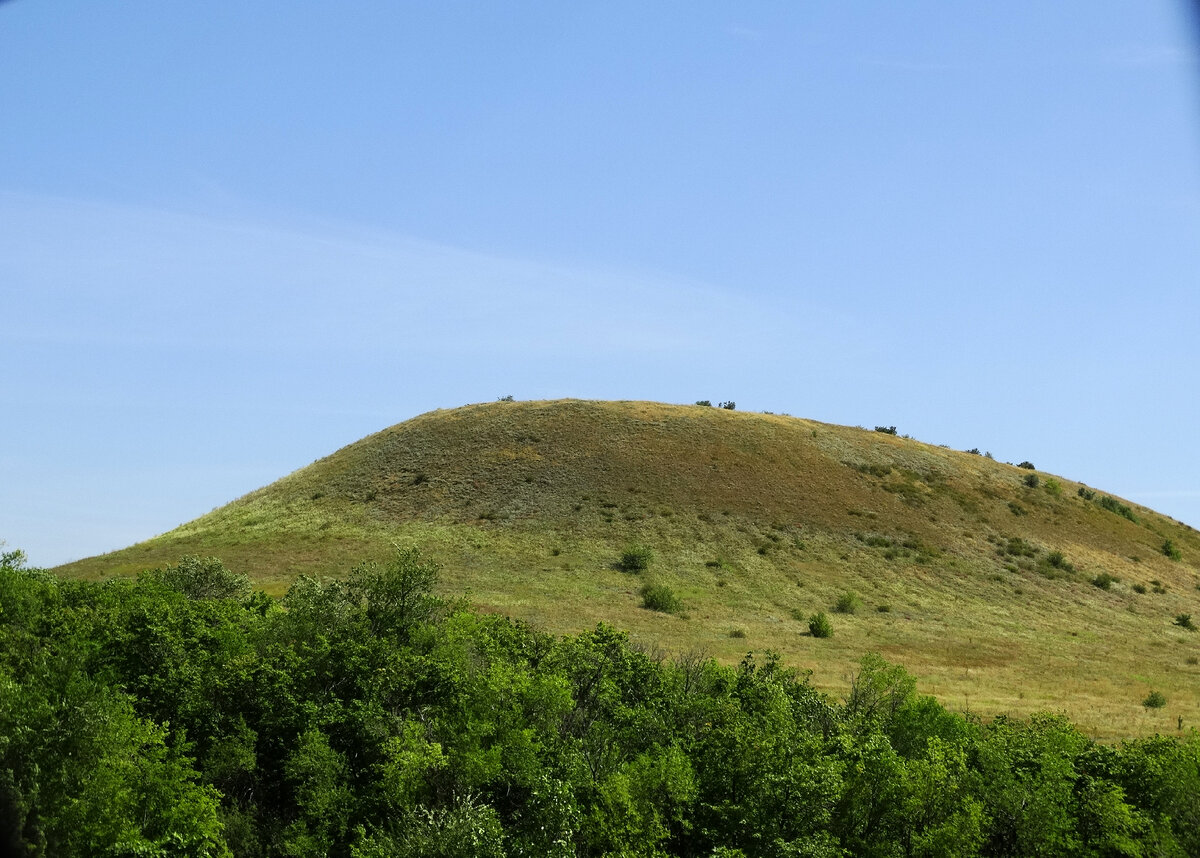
235, 237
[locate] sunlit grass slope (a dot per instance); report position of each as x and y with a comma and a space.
977, 576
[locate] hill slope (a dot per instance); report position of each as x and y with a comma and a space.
979, 582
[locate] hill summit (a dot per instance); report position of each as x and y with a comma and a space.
1004, 589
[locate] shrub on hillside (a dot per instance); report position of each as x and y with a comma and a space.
886, 430
1169, 549
1155, 700
1027, 466
729, 406
1105, 581
705, 402
1114, 505
636, 558
661, 598
1184, 621
1086, 493
819, 626
848, 603
1031, 480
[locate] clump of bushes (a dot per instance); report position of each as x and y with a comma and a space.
661, 598
886, 430
1155, 700
705, 402
1027, 466
1169, 549
1031, 480
1114, 505
1086, 493
1140, 589
1184, 621
819, 626
635, 558
848, 603
729, 406
1105, 581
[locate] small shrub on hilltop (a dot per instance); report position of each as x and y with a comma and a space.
705, 402
1027, 466
661, 598
886, 430
636, 558
729, 406
819, 626
848, 603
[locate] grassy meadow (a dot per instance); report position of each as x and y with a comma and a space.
1003, 589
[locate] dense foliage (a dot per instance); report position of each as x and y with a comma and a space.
184, 714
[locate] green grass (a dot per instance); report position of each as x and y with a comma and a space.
736, 509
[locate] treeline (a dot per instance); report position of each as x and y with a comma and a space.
184, 714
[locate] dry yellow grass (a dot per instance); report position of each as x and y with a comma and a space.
755, 520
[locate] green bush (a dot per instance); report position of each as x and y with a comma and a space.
661, 598
1027, 466
1140, 589
1155, 700
705, 402
1169, 549
729, 406
1184, 621
1086, 494
1031, 480
1105, 581
848, 603
819, 626
636, 558
1053, 487
1113, 505
886, 430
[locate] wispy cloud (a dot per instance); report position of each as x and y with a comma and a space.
749, 34
95, 273
1153, 55
1166, 493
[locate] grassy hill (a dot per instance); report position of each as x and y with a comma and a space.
979, 577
